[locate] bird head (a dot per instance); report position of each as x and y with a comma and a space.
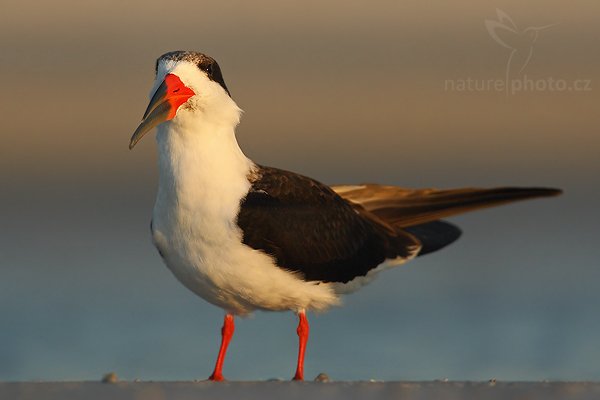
189, 86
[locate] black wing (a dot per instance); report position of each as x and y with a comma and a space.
311, 230
434, 235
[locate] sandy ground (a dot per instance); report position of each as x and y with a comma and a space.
299, 390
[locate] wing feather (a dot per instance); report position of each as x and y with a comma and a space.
311, 230
401, 207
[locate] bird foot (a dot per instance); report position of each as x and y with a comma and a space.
298, 377
216, 378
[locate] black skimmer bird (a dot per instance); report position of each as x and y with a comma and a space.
247, 237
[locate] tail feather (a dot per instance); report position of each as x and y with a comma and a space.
403, 208
434, 235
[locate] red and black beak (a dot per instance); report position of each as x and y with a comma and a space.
169, 96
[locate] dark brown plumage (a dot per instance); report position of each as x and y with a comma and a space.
311, 230
335, 234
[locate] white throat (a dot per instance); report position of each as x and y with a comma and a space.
203, 174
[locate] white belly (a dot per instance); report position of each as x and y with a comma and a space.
214, 264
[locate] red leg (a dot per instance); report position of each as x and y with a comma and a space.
302, 330
226, 334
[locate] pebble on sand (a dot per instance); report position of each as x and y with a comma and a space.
111, 377
322, 377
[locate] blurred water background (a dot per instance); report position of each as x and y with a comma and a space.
344, 92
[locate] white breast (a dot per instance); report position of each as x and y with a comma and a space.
203, 176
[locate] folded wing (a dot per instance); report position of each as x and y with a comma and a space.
418, 211
403, 207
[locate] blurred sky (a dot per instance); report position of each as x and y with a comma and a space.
345, 92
